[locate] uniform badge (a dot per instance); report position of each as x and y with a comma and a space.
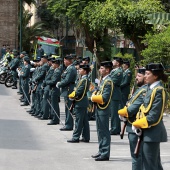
144, 94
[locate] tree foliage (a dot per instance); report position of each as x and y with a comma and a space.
126, 15
158, 47
30, 32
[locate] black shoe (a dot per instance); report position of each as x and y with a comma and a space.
65, 129
39, 115
42, 118
22, 100
96, 155
14, 87
102, 158
29, 111
114, 133
73, 141
24, 104
51, 123
84, 140
19, 93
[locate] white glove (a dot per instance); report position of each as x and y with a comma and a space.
122, 118
32, 63
71, 99
97, 81
32, 69
57, 84
138, 131
133, 128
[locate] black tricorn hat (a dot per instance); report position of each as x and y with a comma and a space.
155, 67
120, 60
44, 56
85, 66
69, 57
86, 58
127, 62
56, 61
141, 70
27, 59
36, 60
106, 64
23, 52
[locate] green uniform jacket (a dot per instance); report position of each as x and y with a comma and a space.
81, 92
15, 63
26, 73
154, 133
48, 77
135, 102
126, 80
106, 95
56, 77
116, 76
68, 79
42, 73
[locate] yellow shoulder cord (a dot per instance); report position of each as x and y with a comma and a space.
100, 92
136, 96
84, 89
143, 110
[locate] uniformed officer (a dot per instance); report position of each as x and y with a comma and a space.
25, 74
126, 80
38, 80
79, 95
129, 112
116, 76
21, 64
103, 100
45, 107
14, 65
35, 64
54, 92
67, 84
40, 52
86, 60
150, 117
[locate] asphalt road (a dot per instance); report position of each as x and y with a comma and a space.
27, 143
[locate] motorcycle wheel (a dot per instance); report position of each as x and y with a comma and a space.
9, 82
2, 78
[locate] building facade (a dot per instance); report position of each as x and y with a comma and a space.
9, 23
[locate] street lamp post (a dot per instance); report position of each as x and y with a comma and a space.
21, 13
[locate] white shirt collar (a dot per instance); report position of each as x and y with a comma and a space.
105, 77
154, 84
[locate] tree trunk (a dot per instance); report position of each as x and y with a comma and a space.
139, 46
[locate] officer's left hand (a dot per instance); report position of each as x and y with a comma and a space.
57, 84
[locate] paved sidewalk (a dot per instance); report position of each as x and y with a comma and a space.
27, 143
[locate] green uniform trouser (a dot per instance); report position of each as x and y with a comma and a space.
81, 123
102, 123
26, 91
20, 84
33, 101
14, 73
39, 96
124, 99
115, 121
151, 156
69, 120
55, 104
45, 104
136, 161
